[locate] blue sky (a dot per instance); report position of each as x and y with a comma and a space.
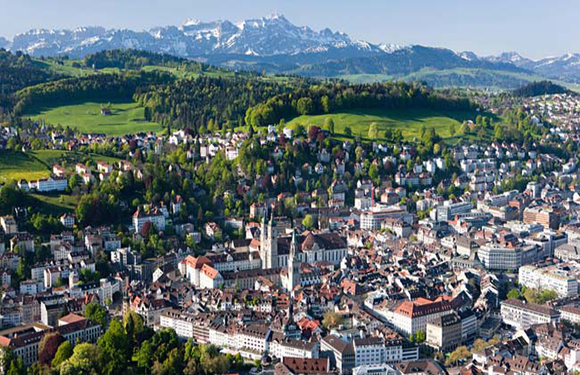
535, 28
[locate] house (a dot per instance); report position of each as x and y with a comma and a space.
67, 220
153, 216
8, 224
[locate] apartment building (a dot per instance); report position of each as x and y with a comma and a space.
559, 278
412, 316
520, 314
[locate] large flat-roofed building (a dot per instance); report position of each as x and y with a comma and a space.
562, 278
520, 314
373, 218
509, 256
448, 211
544, 216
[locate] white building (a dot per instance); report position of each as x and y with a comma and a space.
554, 278
520, 314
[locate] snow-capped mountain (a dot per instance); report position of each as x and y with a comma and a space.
267, 36
509, 57
566, 67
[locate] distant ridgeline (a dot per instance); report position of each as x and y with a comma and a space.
336, 97
540, 88
137, 59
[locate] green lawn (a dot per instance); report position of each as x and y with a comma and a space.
18, 165
125, 118
409, 121
56, 204
37, 164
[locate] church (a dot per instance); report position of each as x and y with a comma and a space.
275, 258
311, 247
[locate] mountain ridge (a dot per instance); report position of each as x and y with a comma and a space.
276, 45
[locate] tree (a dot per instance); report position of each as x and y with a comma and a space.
547, 295
514, 294
305, 106
479, 344
308, 222
498, 132
374, 172
331, 319
145, 356
115, 348
329, 125
133, 324
85, 360
16, 367
452, 129
64, 352
436, 148
373, 130
97, 313
348, 131
420, 336
458, 354
48, 347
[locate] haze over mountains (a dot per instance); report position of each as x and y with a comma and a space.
276, 45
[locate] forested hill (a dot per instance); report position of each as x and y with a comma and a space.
137, 59
18, 71
337, 97
208, 103
540, 88
106, 86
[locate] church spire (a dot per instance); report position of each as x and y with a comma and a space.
293, 264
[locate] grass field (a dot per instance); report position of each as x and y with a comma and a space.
51, 157
409, 121
17, 165
56, 204
86, 117
37, 164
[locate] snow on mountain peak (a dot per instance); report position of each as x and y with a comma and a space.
267, 36
191, 22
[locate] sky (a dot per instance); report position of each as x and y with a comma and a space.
535, 28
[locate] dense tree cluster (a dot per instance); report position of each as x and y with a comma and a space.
18, 71
205, 103
540, 88
135, 59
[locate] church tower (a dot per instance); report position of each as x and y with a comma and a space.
293, 264
269, 244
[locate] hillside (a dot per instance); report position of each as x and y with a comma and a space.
409, 122
86, 117
540, 88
